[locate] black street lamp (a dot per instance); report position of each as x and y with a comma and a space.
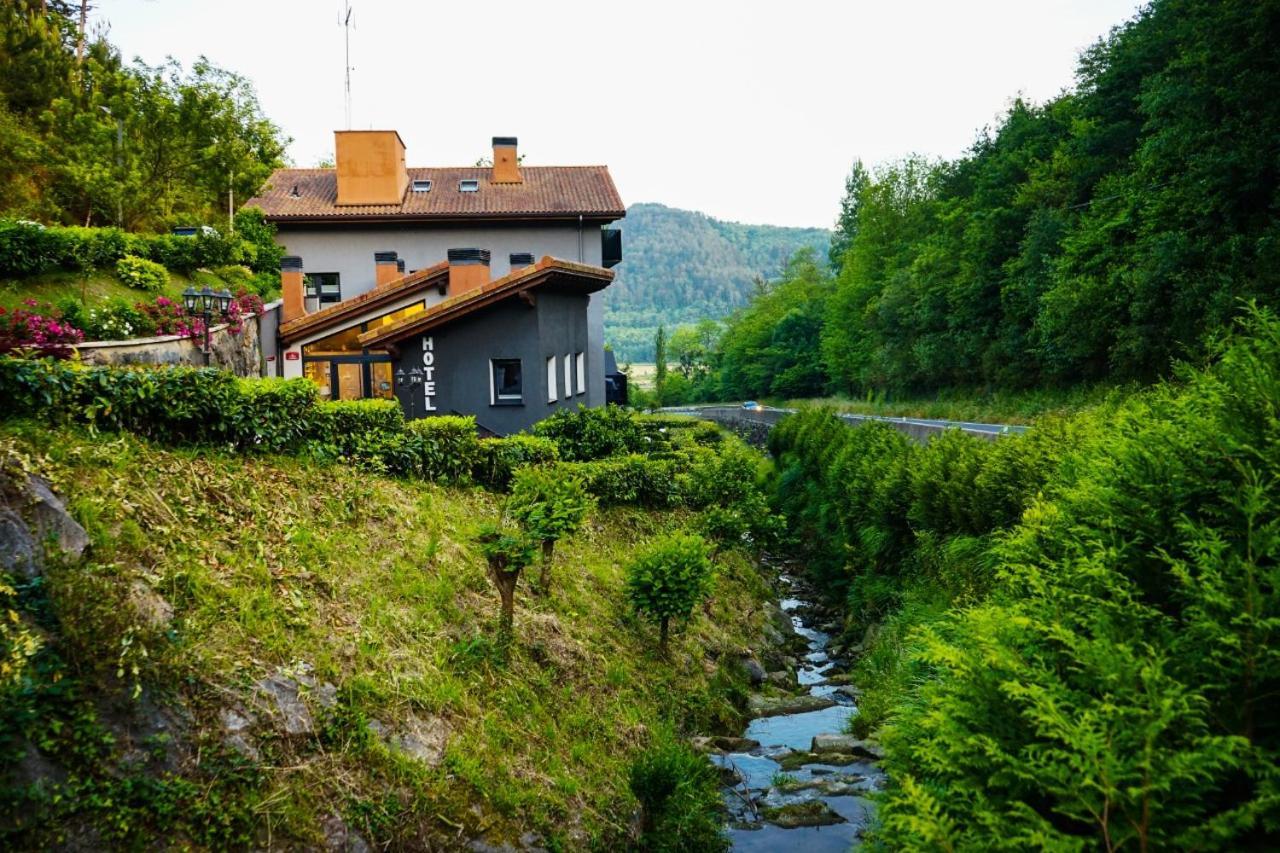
202, 303
413, 379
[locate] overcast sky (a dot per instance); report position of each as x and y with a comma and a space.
750, 111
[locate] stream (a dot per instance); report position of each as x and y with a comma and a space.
830, 788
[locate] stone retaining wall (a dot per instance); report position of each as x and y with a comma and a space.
242, 354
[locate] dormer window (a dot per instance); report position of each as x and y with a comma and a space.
469, 185
422, 186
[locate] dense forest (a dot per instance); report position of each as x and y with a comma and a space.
682, 267
1098, 237
89, 139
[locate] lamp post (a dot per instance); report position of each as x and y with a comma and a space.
413, 379
201, 303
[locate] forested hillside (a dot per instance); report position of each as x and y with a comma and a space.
1098, 237
682, 267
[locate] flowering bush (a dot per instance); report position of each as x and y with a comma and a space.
46, 334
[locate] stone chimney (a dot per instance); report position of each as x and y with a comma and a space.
291, 288
506, 166
370, 167
520, 260
386, 268
468, 270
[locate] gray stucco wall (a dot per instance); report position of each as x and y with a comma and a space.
349, 251
460, 356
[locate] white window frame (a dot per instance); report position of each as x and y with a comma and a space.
469, 185
568, 376
552, 396
421, 185
508, 400
581, 359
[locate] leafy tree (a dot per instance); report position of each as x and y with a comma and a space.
548, 507
507, 551
668, 580
847, 223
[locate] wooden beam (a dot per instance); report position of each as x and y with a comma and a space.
528, 297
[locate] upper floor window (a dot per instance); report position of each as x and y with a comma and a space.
323, 286
422, 186
581, 359
468, 185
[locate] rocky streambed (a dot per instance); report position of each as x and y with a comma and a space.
794, 780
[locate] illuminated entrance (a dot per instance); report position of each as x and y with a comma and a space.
344, 370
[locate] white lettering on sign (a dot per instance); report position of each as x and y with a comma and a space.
428, 385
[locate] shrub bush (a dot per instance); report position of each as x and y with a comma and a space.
591, 434
630, 479
679, 798
437, 448
498, 458
277, 415
342, 425
142, 274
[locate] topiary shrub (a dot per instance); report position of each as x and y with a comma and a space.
142, 274
343, 426
507, 552
549, 506
276, 415
631, 479
668, 580
437, 448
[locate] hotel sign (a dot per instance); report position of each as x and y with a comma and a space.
428, 373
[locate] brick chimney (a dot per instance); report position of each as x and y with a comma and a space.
291, 288
370, 167
506, 166
468, 270
386, 268
520, 260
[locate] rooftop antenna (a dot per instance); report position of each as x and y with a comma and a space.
346, 32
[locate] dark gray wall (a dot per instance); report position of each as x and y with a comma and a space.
462, 350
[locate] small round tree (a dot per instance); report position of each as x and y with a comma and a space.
549, 507
669, 579
507, 553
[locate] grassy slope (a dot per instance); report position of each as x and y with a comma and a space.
268, 562
100, 287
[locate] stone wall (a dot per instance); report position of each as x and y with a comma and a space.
242, 354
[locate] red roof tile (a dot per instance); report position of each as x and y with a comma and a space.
547, 191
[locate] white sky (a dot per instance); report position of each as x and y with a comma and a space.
749, 111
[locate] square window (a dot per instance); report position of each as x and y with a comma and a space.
506, 387
324, 286
581, 358
551, 379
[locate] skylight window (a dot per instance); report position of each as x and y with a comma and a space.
469, 185
423, 186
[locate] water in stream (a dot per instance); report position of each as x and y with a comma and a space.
762, 784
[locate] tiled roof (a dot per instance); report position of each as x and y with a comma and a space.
547, 191
333, 315
582, 277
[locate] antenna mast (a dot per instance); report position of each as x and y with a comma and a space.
346, 32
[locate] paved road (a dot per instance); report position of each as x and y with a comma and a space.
919, 428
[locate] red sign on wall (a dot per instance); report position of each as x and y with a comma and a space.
291, 356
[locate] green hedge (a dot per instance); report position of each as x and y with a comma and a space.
31, 249
632, 479
498, 458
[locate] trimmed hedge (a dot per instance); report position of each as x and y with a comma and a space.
498, 458
32, 249
204, 406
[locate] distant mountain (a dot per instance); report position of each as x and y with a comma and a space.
681, 267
